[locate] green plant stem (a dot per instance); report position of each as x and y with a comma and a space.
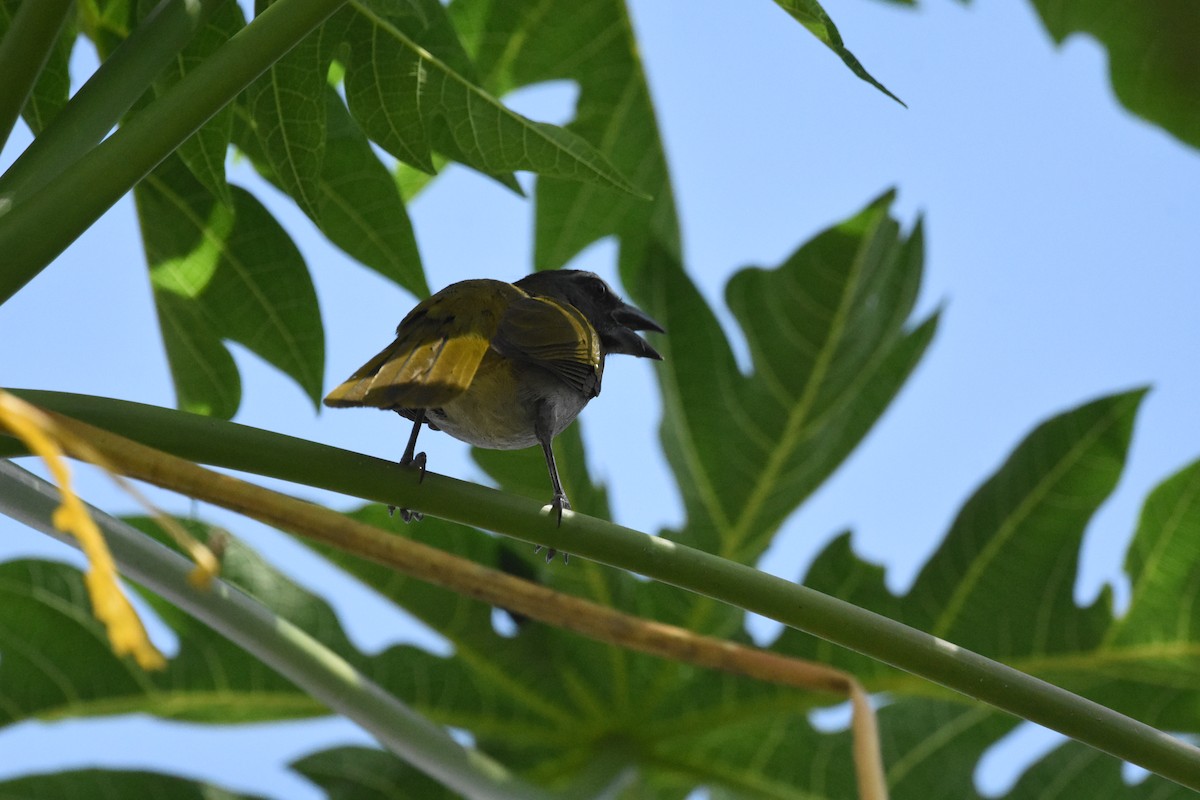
292, 652
34, 231
100, 103
234, 446
23, 53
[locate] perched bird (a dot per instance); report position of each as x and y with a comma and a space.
501, 365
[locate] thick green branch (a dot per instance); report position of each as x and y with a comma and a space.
23, 54
34, 231
101, 102
252, 450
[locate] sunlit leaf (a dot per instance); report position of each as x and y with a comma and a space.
225, 272
287, 105
411, 86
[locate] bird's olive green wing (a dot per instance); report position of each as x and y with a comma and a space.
555, 336
437, 350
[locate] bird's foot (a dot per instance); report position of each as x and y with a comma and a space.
551, 553
557, 506
417, 462
406, 514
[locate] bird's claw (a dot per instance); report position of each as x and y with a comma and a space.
418, 462
557, 506
406, 514
551, 553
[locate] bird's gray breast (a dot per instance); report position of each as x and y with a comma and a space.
499, 413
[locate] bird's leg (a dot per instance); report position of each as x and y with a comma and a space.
560, 502
417, 460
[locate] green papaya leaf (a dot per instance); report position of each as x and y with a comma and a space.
204, 152
84, 783
1002, 581
358, 204
55, 662
810, 14
1028, 521
357, 773
225, 272
1145, 662
287, 106
830, 348
360, 208
1074, 770
518, 43
411, 87
1152, 59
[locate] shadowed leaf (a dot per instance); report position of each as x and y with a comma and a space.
1153, 60
358, 773
84, 783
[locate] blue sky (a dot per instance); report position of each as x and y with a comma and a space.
1062, 244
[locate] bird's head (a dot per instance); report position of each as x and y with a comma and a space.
614, 319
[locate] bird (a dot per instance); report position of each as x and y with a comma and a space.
502, 366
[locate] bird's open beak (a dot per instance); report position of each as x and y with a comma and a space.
634, 319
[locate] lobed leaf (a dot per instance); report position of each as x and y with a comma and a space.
1152, 55
1002, 584
826, 331
358, 205
1002, 581
411, 86
1024, 527
225, 272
